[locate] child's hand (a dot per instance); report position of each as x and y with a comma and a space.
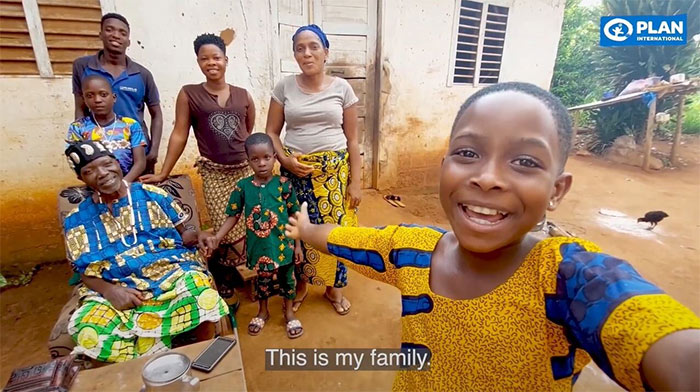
213, 242
190, 237
207, 243
298, 253
297, 223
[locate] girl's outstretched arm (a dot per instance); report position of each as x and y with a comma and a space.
376, 253
673, 362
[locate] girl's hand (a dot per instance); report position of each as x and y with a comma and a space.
292, 164
298, 253
295, 228
354, 194
152, 178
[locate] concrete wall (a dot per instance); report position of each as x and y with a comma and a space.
35, 112
419, 107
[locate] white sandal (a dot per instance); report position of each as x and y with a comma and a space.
258, 322
294, 324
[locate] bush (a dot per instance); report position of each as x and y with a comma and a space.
691, 116
576, 80
691, 119
618, 66
611, 122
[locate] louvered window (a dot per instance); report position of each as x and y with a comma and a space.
481, 34
16, 54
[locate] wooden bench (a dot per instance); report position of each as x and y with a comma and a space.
248, 277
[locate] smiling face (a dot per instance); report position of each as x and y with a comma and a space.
115, 35
261, 158
103, 175
309, 53
212, 61
502, 170
98, 96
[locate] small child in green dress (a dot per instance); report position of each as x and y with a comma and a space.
266, 202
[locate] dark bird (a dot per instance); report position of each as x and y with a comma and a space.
653, 217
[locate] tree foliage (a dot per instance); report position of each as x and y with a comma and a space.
575, 80
618, 66
584, 70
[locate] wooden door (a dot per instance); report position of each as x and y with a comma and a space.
351, 29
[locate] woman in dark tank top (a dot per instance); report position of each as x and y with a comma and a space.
222, 117
220, 130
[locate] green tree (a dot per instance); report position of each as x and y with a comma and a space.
618, 66
575, 80
621, 65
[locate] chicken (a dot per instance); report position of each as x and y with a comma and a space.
653, 217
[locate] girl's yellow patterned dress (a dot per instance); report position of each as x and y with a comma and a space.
565, 304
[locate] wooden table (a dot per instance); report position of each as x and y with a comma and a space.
227, 375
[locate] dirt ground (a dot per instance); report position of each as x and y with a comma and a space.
668, 256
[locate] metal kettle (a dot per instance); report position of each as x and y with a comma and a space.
169, 372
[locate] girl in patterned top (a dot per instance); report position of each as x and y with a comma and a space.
497, 308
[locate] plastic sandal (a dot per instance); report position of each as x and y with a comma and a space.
258, 322
292, 325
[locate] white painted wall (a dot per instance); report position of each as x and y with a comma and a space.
35, 112
531, 42
166, 30
420, 107
418, 114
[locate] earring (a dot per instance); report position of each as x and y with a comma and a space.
551, 204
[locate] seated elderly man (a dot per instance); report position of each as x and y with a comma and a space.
145, 281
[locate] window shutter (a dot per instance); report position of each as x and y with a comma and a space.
481, 34
492, 50
16, 53
468, 33
71, 28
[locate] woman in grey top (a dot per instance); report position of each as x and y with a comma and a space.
320, 154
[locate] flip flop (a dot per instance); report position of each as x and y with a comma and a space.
292, 325
258, 322
397, 200
389, 199
296, 304
338, 305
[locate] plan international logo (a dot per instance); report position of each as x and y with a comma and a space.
643, 30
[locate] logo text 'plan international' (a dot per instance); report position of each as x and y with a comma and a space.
643, 30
